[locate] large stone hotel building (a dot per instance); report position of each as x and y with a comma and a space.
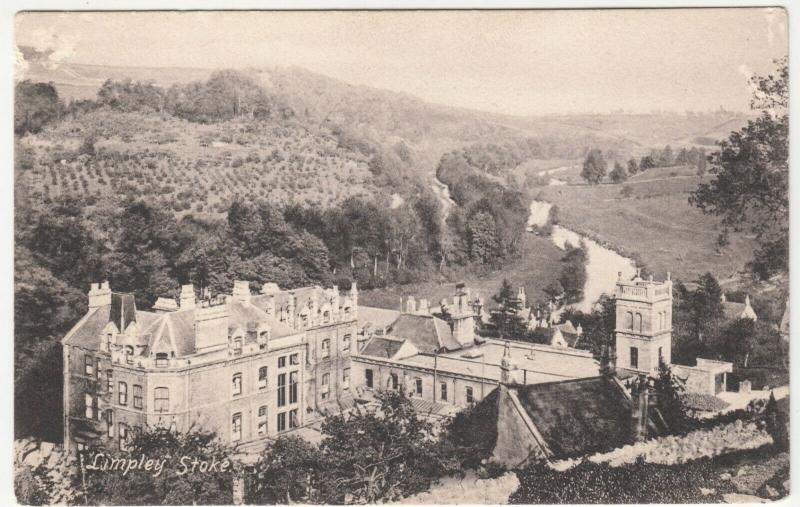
247, 366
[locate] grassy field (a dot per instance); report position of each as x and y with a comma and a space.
538, 266
656, 224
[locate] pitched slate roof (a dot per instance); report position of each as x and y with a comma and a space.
428, 333
382, 347
578, 416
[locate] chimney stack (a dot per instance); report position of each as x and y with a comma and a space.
411, 305
241, 291
187, 297
99, 295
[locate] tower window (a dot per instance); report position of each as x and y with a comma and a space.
639, 322
634, 357
630, 320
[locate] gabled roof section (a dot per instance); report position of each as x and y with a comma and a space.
123, 310
580, 416
86, 332
382, 347
428, 333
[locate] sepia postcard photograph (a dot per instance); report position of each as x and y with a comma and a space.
466, 256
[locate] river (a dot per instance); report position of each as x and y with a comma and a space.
602, 265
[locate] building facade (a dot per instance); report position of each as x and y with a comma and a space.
248, 366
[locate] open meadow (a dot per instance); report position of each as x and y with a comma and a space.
655, 223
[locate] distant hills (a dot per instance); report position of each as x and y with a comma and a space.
398, 137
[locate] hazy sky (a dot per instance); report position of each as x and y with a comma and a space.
517, 62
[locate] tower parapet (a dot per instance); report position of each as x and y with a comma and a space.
643, 330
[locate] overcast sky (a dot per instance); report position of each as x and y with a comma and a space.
516, 62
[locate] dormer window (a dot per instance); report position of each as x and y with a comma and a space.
263, 338
109, 341
304, 320
326, 317
162, 360
129, 354
237, 346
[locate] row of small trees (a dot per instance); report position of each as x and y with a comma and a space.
595, 167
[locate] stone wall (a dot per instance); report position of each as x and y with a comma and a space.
671, 450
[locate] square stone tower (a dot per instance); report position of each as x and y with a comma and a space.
643, 331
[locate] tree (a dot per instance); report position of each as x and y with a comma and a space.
573, 272
35, 105
633, 166
366, 456
619, 174
751, 175
594, 167
481, 237
777, 423
646, 163
287, 472
669, 391
506, 319
176, 484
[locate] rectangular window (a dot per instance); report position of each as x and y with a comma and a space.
110, 422
236, 427
237, 347
470, 397
326, 348
110, 380
293, 422
281, 389
282, 362
634, 357
418, 386
123, 437
262, 377
123, 393
89, 402
262, 420
97, 369
346, 343
282, 422
369, 379
236, 384
161, 399
443, 389
326, 380
294, 359
137, 396
293, 387
88, 364
346, 378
